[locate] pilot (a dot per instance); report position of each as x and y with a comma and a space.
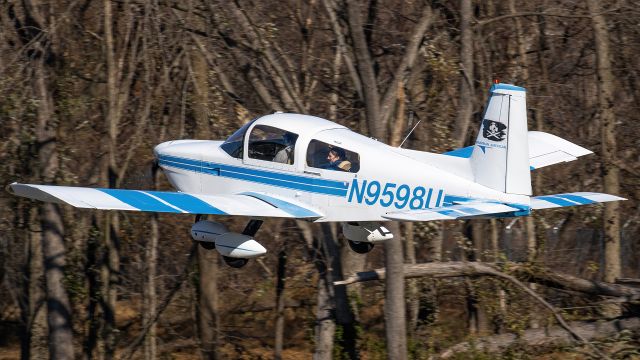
337, 160
285, 155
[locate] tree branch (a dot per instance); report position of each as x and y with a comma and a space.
366, 73
534, 13
543, 336
131, 348
457, 269
406, 63
342, 45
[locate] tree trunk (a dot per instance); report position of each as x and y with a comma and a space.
607, 119
610, 171
53, 248
364, 64
332, 302
150, 296
478, 318
58, 305
35, 314
465, 110
343, 313
208, 318
200, 78
325, 311
92, 266
280, 302
110, 270
394, 304
394, 300
436, 241
325, 325
413, 294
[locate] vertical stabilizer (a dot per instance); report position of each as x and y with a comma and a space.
500, 158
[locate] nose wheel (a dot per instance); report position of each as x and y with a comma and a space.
235, 262
207, 245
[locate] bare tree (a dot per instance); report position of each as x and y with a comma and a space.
466, 95
208, 317
35, 312
52, 236
607, 119
280, 302
53, 247
378, 109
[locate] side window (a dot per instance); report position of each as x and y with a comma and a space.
325, 156
272, 144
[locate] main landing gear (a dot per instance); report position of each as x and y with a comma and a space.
250, 230
361, 247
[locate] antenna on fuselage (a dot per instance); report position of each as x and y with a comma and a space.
411, 131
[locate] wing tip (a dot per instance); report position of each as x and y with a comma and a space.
9, 188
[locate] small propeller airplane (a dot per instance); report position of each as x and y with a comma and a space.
304, 167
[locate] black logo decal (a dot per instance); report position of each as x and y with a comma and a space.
493, 130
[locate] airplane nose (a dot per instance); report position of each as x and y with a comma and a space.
160, 149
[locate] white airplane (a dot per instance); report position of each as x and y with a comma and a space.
304, 167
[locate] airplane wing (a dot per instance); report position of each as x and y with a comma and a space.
571, 199
544, 150
450, 212
484, 208
254, 204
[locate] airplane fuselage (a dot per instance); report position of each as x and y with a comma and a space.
388, 179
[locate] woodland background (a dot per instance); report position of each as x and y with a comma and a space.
87, 88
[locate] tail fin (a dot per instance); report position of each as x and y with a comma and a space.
500, 158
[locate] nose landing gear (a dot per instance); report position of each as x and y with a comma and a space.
236, 249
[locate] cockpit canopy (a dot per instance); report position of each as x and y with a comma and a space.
235, 143
274, 138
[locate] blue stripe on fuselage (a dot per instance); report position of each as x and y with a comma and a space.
179, 165
328, 187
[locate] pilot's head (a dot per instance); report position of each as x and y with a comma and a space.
335, 154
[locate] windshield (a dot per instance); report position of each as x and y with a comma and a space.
234, 144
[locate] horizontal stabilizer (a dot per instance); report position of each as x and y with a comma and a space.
247, 204
450, 212
571, 199
547, 149
544, 149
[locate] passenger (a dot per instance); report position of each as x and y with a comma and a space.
285, 155
337, 160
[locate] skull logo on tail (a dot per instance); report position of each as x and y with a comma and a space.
493, 130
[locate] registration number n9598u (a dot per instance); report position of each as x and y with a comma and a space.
399, 196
